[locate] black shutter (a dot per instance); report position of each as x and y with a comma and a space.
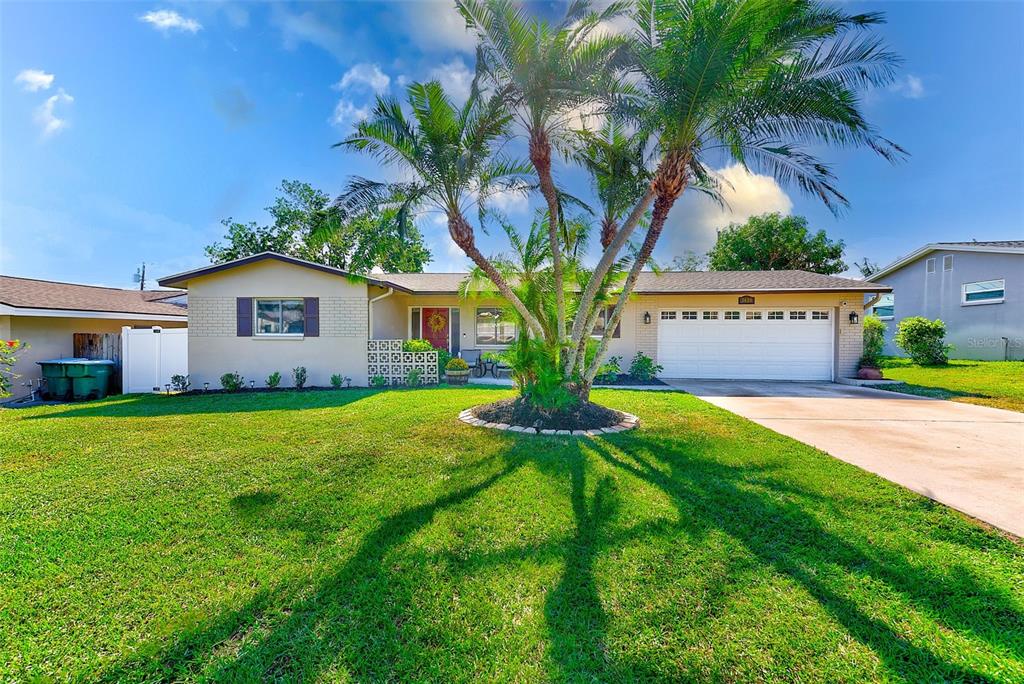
311, 312
243, 317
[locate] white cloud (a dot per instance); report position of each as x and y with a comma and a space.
509, 202
48, 121
910, 87
307, 28
365, 74
33, 80
166, 21
695, 220
346, 113
436, 26
455, 77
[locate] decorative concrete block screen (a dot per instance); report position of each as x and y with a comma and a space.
385, 357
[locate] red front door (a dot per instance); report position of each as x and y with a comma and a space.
435, 326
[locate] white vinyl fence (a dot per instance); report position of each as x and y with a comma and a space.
150, 356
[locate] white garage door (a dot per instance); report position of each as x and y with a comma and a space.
745, 343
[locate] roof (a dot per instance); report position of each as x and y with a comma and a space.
671, 282
180, 279
990, 246
29, 293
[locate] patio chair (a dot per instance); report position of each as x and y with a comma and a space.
472, 357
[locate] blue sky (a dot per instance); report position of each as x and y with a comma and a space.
128, 130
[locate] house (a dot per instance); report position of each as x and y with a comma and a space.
47, 314
976, 288
271, 312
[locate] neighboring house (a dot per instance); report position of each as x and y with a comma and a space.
270, 312
47, 314
976, 288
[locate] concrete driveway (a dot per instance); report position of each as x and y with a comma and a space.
965, 456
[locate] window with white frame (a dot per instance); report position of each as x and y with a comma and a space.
668, 315
732, 315
493, 328
775, 316
603, 316
798, 315
947, 262
688, 315
280, 317
753, 315
929, 266
819, 315
710, 315
885, 308
983, 292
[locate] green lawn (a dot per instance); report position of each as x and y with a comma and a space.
368, 536
990, 383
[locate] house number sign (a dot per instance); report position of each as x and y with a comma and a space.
746, 299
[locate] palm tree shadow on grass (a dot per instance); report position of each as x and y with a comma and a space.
788, 539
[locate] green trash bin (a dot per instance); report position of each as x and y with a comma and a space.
90, 379
58, 384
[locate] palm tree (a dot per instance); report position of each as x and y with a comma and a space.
760, 82
545, 73
448, 154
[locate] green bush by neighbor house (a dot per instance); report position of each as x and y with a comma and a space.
923, 340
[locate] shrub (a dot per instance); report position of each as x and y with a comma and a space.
378, 381
643, 367
609, 370
337, 381
417, 346
299, 376
231, 382
874, 341
414, 376
442, 360
180, 383
456, 364
922, 340
274, 379
8, 356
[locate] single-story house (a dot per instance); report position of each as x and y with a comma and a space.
976, 288
271, 312
47, 314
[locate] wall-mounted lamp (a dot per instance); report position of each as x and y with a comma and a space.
854, 318
647, 317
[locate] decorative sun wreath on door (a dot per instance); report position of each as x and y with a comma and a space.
437, 321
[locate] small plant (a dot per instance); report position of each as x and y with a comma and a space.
414, 377
378, 381
417, 346
274, 379
609, 370
922, 340
299, 376
180, 383
874, 341
232, 382
456, 364
8, 357
643, 367
338, 380
442, 360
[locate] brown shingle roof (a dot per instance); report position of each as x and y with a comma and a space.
672, 282
28, 293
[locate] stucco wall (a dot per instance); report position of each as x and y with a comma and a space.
976, 330
214, 348
53, 337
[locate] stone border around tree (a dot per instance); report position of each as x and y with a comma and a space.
628, 422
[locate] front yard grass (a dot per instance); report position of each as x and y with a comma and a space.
999, 384
370, 536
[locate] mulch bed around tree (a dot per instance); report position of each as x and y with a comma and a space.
629, 380
585, 416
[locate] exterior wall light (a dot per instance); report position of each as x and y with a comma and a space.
854, 318
647, 317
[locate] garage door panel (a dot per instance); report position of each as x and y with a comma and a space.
746, 349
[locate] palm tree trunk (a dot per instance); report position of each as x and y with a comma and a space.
540, 156
462, 233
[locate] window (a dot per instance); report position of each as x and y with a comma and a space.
414, 322
668, 315
819, 315
493, 328
710, 315
775, 316
454, 320
602, 321
947, 262
929, 266
984, 292
798, 315
753, 315
280, 317
732, 315
885, 307
688, 315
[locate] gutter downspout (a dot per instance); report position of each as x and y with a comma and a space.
871, 302
387, 294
